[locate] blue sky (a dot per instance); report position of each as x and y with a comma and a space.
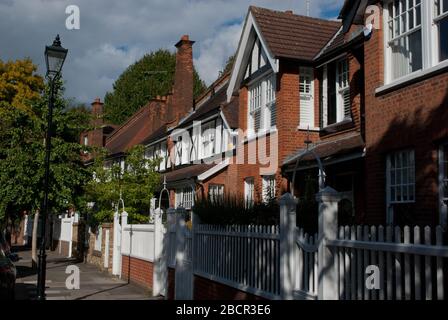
113, 34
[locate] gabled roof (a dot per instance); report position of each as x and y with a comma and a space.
293, 36
282, 35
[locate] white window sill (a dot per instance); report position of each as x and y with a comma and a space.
413, 77
306, 128
252, 136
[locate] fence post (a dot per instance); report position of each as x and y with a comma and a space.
328, 200
158, 251
180, 252
116, 254
287, 234
70, 244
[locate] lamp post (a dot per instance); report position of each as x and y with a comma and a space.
54, 57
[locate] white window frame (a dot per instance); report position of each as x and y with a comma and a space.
178, 149
443, 14
430, 42
343, 107
184, 197
262, 101
343, 90
269, 184
249, 191
392, 180
216, 192
443, 178
208, 139
306, 91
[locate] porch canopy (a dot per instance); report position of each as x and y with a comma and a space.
332, 151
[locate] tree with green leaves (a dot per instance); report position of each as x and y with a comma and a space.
135, 185
22, 151
147, 78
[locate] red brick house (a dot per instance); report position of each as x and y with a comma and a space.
274, 48
406, 114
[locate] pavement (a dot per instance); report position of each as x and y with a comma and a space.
94, 283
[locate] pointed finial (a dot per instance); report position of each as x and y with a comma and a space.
308, 140
57, 41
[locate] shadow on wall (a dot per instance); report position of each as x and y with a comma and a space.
421, 128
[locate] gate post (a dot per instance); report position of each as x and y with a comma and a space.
159, 271
287, 234
116, 253
328, 200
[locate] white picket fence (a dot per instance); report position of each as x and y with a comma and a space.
245, 257
410, 262
337, 263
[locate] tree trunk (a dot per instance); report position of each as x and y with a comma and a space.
34, 240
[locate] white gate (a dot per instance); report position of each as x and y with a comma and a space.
161, 238
184, 259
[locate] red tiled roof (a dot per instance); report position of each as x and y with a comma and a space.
187, 172
156, 135
231, 111
293, 36
131, 133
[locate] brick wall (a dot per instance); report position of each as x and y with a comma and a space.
137, 271
205, 289
413, 116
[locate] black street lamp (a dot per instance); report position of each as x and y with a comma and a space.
54, 57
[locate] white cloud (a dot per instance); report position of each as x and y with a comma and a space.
214, 51
139, 26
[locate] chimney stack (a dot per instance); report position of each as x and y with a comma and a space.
97, 112
183, 79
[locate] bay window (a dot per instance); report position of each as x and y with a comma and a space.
416, 36
262, 106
